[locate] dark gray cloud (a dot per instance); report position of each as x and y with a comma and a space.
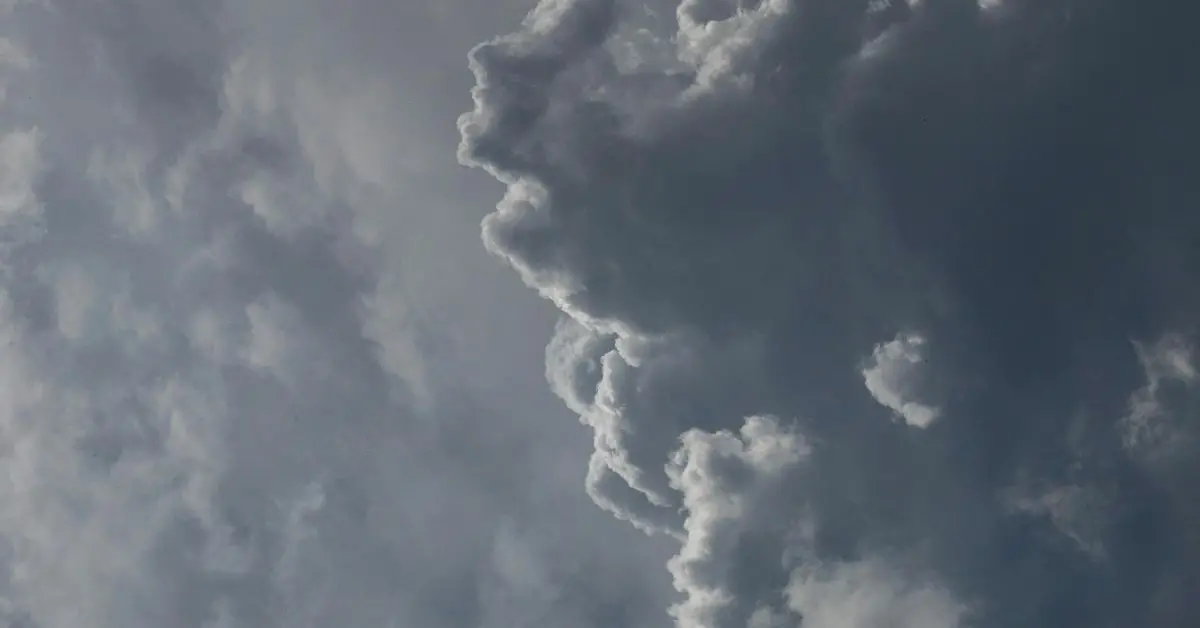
746, 209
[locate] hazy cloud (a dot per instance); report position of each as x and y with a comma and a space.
233, 276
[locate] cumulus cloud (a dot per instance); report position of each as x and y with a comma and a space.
733, 202
890, 379
749, 556
724, 480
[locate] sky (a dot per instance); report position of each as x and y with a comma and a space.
599, 314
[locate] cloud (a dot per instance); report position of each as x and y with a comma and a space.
889, 379
1079, 512
871, 594
735, 205
228, 395
725, 481
1153, 426
749, 554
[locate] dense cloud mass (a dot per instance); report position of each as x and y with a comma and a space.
883, 311
254, 370
875, 314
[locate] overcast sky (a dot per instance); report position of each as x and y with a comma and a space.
599, 313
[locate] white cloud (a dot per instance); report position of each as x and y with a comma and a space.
725, 51
725, 479
747, 488
892, 376
213, 364
871, 594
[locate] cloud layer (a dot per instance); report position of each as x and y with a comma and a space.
232, 391
743, 209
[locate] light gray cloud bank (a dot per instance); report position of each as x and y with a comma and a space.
232, 391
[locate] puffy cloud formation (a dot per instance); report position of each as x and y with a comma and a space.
731, 202
889, 379
232, 391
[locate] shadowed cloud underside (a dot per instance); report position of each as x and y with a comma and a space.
744, 209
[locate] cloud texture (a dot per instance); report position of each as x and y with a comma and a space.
225, 404
744, 209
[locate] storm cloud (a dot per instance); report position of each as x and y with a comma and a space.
744, 210
873, 313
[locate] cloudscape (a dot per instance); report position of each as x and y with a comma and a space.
883, 310
599, 313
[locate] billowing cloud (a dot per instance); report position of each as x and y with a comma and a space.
259, 372
231, 283
725, 482
732, 203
